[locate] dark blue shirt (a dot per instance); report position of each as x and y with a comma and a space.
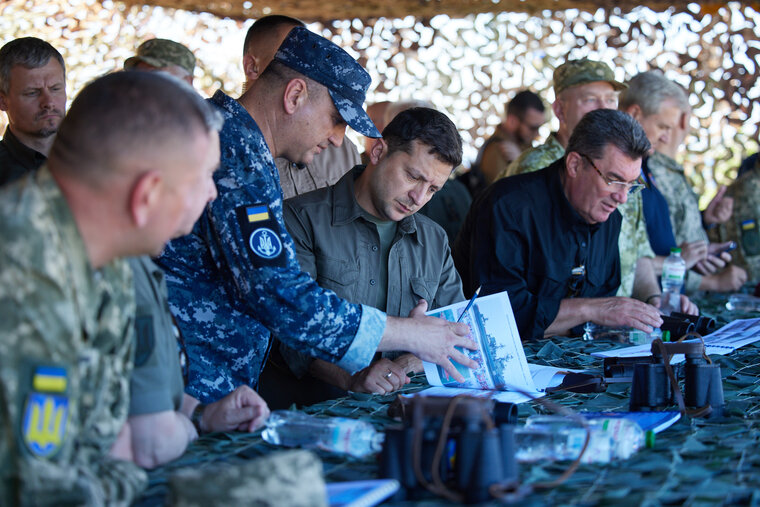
523, 236
656, 215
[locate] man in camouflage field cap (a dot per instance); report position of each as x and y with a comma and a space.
122, 178
235, 279
165, 55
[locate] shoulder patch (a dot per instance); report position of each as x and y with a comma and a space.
261, 233
46, 410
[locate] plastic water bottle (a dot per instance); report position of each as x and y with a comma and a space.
335, 434
673, 273
629, 335
557, 438
743, 303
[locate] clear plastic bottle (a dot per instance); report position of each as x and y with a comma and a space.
743, 303
336, 434
673, 273
547, 437
630, 335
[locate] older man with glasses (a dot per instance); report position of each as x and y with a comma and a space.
550, 237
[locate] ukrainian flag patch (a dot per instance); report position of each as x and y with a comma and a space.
49, 379
44, 423
748, 224
257, 213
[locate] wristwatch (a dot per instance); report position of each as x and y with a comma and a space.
197, 417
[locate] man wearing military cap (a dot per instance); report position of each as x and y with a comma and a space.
164, 55
235, 279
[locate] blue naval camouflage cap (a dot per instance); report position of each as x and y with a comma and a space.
323, 61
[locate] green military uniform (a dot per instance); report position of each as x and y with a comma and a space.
633, 241
156, 384
536, 158
66, 335
744, 225
683, 206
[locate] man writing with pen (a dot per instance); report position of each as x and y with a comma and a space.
363, 239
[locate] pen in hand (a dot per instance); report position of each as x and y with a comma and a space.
469, 305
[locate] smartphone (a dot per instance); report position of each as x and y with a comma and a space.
731, 246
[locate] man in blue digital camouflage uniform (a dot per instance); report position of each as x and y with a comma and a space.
235, 278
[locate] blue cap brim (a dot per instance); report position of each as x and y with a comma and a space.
354, 115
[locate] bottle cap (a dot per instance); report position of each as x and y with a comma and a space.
649, 439
675, 250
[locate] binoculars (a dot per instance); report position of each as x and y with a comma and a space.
453, 447
680, 324
655, 381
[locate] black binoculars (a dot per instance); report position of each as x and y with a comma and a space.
680, 324
655, 381
453, 447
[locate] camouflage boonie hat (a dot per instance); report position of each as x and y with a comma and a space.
578, 72
292, 478
162, 53
326, 63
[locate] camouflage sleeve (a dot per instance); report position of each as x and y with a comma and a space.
46, 455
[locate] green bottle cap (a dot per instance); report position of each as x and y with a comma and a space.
666, 336
649, 439
675, 250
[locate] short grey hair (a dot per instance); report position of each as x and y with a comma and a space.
29, 52
649, 90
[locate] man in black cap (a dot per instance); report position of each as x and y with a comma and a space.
235, 279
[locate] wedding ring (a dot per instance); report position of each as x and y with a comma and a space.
389, 374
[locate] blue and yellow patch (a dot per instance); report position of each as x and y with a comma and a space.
748, 224
257, 213
49, 379
44, 423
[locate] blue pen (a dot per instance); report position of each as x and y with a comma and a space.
469, 305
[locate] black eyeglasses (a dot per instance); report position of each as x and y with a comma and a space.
619, 186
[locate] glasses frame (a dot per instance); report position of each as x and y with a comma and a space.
631, 188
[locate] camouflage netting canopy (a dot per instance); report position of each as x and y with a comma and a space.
467, 65
328, 10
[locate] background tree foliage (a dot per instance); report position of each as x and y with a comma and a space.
468, 67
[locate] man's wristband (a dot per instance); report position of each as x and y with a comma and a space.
197, 417
651, 297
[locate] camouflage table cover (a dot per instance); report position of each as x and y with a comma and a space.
694, 462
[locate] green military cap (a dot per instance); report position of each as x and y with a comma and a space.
578, 72
162, 53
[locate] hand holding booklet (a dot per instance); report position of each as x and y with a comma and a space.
500, 356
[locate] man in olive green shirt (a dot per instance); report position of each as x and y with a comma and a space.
363, 239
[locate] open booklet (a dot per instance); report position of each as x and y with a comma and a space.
500, 356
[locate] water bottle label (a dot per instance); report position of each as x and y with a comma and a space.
673, 273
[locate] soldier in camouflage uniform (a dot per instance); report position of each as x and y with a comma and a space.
743, 226
67, 301
662, 108
582, 86
236, 279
